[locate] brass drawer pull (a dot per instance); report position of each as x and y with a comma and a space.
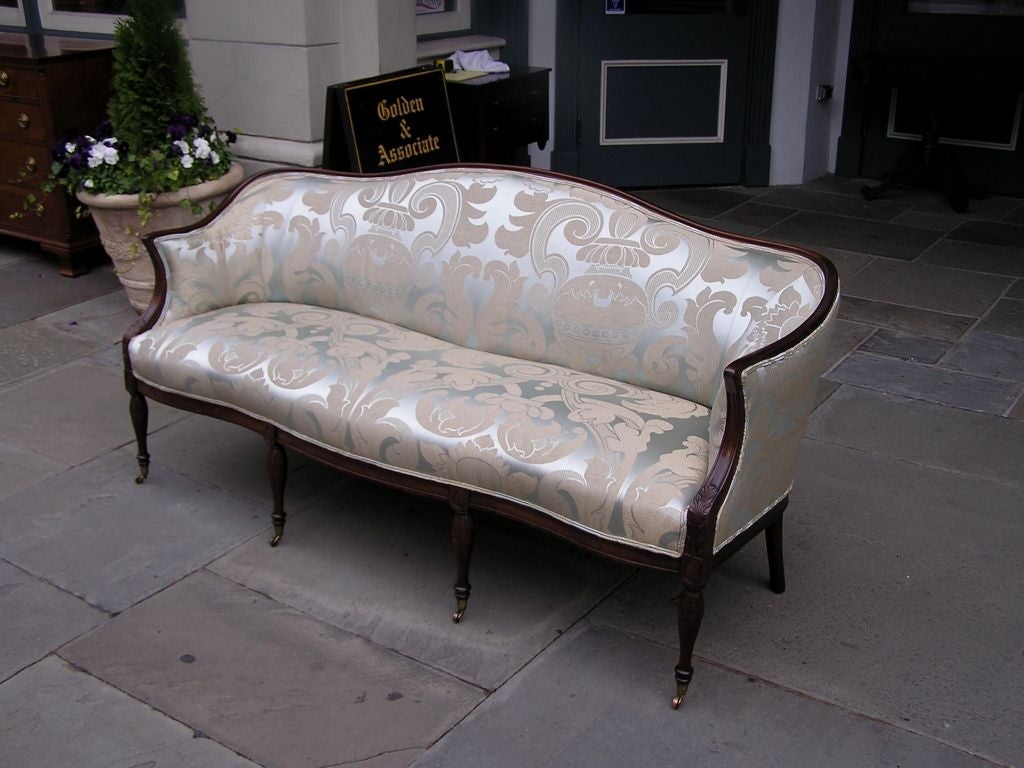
31, 164
23, 120
4, 78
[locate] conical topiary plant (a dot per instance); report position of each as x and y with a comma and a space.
152, 83
159, 136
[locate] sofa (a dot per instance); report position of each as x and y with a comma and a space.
507, 341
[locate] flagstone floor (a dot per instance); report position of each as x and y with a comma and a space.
152, 625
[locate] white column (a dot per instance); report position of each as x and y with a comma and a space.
264, 66
809, 52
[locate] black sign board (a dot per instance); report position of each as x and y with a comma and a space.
392, 122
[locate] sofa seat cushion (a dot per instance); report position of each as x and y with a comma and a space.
614, 459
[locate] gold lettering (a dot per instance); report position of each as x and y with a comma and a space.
422, 146
400, 107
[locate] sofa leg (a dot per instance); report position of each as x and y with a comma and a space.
776, 566
462, 543
691, 611
277, 467
139, 410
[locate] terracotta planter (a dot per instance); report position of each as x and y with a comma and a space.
117, 220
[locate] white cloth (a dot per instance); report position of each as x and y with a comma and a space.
477, 61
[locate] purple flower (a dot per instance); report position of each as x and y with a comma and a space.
177, 131
79, 160
104, 130
232, 136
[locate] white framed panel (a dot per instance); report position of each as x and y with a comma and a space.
1009, 145
716, 137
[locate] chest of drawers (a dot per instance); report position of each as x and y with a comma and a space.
496, 116
49, 87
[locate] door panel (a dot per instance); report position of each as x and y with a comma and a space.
951, 71
661, 93
634, 109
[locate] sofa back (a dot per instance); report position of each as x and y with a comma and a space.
534, 266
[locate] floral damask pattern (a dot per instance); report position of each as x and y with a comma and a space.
549, 341
611, 457
538, 269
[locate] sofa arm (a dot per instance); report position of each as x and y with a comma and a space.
772, 403
219, 263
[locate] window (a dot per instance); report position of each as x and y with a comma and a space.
79, 16
11, 13
968, 7
455, 17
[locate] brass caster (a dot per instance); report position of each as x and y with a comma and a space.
460, 609
677, 700
276, 540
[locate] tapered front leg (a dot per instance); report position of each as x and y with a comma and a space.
691, 611
776, 566
462, 543
277, 468
139, 410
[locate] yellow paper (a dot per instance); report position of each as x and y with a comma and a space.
463, 74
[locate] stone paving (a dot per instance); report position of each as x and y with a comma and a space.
151, 625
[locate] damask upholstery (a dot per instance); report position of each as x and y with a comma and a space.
536, 337
618, 460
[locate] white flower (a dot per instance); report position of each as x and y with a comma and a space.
214, 157
186, 161
103, 153
88, 184
70, 147
202, 147
109, 153
184, 147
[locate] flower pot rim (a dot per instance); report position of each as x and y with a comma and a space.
165, 199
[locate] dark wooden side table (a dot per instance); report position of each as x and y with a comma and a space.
940, 89
48, 87
496, 116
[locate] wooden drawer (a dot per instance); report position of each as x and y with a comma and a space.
15, 156
22, 121
18, 83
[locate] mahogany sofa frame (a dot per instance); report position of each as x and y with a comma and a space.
698, 557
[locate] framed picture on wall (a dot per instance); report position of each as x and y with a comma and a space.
430, 6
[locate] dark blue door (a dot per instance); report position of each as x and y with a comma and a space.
662, 92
